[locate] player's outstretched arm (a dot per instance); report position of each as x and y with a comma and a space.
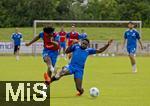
68, 50
124, 42
105, 47
33, 40
140, 44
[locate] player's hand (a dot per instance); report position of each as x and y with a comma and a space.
27, 44
51, 39
75, 41
142, 48
110, 41
122, 47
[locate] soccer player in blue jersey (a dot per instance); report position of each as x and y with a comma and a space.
80, 52
83, 35
16, 37
131, 36
50, 51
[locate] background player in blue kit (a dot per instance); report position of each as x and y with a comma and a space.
83, 35
131, 36
80, 52
16, 37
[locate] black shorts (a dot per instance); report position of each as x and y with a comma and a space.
16, 48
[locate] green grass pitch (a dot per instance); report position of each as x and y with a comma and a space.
112, 75
94, 33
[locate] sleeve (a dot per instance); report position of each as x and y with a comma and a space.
125, 35
20, 35
91, 51
85, 35
41, 34
57, 38
12, 36
80, 36
73, 47
67, 35
138, 35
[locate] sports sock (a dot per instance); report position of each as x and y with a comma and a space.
17, 57
52, 68
134, 67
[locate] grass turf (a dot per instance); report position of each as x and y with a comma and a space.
94, 33
112, 75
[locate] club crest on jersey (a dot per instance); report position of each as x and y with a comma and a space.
133, 34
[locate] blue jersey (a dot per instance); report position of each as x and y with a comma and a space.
17, 38
83, 36
132, 36
80, 55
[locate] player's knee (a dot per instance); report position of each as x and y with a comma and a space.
131, 56
63, 71
47, 59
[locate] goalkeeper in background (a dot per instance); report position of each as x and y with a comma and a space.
131, 36
50, 51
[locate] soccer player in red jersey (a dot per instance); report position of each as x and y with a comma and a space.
72, 37
50, 51
62, 35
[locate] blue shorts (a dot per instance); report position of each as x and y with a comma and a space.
78, 73
131, 50
51, 54
63, 44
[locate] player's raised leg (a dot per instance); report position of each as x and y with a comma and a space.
60, 74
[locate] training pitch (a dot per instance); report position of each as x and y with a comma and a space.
111, 75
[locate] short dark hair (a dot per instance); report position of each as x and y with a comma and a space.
48, 29
130, 22
86, 40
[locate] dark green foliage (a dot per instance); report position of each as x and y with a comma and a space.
22, 12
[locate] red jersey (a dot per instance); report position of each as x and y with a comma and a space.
62, 35
71, 36
48, 41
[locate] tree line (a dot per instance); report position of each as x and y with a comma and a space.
22, 13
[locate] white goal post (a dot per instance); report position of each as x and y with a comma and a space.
36, 22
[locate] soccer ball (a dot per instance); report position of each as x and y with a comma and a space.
94, 92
